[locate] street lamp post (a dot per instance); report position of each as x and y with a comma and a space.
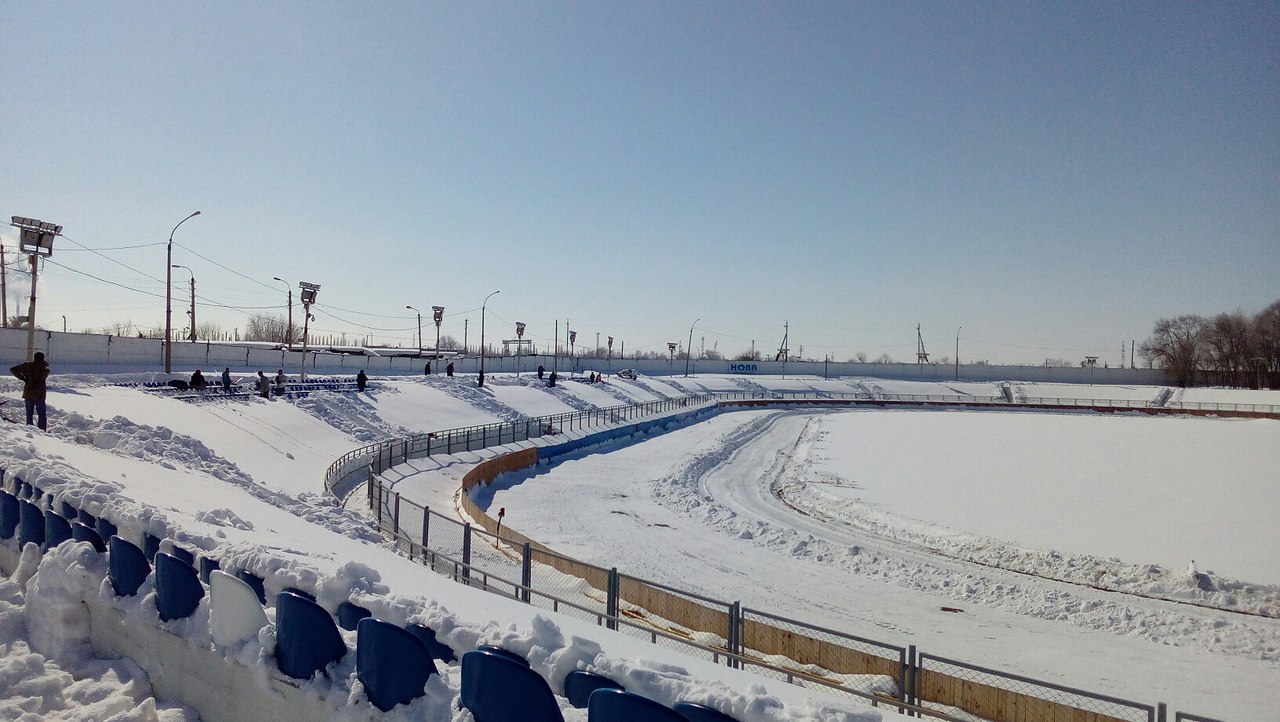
288, 337
482, 307
168, 298
191, 336
958, 352
688, 350
411, 308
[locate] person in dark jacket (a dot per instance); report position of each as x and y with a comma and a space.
449, 369
541, 370
361, 380
197, 381
34, 375
226, 380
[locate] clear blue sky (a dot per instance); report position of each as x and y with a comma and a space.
1051, 177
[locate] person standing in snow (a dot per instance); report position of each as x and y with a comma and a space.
34, 375
426, 371
197, 381
280, 379
361, 380
264, 386
226, 380
448, 370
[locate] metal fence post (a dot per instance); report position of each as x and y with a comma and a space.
735, 633
1161, 712
526, 572
395, 519
426, 525
611, 598
911, 677
466, 553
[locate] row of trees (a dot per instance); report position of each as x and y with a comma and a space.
1230, 349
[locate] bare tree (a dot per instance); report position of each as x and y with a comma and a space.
1177, 346
1264, 333
1226, 340
266, 328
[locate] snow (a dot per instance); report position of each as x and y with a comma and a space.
898, 508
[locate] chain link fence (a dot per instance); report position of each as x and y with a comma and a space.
995, 695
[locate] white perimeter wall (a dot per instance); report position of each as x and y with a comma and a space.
87, 353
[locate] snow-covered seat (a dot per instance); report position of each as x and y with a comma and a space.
127, 566
701, 713
579, 684
30, 524
349, 615
307, 639
235, 614
84, 533
495, 649
178, 588
437, 649
616, 705
255, 582
56, 529
208, 565
9, 515
392, 664
105, 528
496, 688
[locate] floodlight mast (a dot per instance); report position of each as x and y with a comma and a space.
307, 295
482, 307
35, 238
437, 314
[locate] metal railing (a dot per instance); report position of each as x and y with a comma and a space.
989, 692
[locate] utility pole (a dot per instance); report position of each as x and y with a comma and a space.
4, 292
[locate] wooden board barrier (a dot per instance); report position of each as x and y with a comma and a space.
999, 704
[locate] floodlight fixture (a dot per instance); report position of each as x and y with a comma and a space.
437, 314
308, 292
519, 329
36, 236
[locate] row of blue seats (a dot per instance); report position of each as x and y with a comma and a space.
393, 663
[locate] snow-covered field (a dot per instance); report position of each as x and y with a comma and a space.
888, 516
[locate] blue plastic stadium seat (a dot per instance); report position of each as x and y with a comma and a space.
84, 533
579, 684
24, 489
349, 616
701, 713
493, 648
56, 529
105, 528
307, 640
127, 566
498, 689
304, 594
150, 544
208, 565
255, 582
69, 512
178, 588
392, 664
437, 649
615, 705
9, 515
30, 524
182, 554
86, 518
